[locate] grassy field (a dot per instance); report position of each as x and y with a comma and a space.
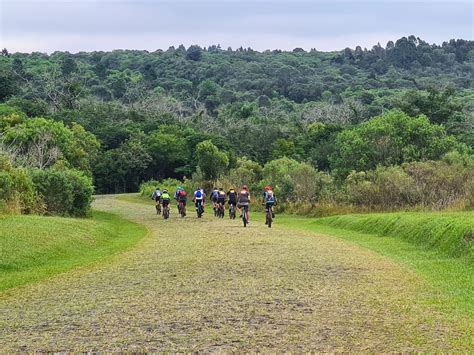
438, 246
35, 247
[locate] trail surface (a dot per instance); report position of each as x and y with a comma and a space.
212, 285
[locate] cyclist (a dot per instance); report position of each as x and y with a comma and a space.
243, 200
181, 196
157, 197
269, 199
221, 196
232, 196
214, 195
199, 198
165, 198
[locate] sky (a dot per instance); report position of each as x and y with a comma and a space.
88, 25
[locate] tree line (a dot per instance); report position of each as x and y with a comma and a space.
185, 112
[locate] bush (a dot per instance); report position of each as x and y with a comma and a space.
442, 184
64, 192
432, 185
387, 188
17, 194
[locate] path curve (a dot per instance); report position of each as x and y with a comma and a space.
211, 285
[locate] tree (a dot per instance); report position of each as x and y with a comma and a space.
389, 139
211, 161
194, 53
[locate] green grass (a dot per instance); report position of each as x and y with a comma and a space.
35, 247
438, 246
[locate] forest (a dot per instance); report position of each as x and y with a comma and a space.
386, 128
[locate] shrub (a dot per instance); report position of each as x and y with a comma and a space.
16, 189
442, 184
387, 188
64, 192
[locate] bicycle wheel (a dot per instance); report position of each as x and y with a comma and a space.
269, 219
245, 217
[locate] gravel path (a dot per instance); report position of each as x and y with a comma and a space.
211, 285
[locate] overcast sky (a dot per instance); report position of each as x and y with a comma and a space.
87, 25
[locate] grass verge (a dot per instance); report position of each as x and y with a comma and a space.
435, 245
35, 247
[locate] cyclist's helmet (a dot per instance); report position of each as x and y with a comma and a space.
245, 187
179, 188
268, 187
157, 188
165, 190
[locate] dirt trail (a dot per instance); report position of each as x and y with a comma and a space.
212, 285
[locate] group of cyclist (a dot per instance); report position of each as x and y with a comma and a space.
218, 196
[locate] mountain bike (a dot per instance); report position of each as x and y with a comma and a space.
220, 210
245, 215
158, 208
182, 208
232, 211
166, 211
199, 209
269, 216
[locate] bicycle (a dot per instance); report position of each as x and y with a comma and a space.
269, 216
158, 208
245, 215
232, 211
166, 211
199, 209
182, 209
220, 210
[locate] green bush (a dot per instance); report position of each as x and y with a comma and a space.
17, 194
64, 192
432, 185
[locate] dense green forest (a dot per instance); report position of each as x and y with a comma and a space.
395, 117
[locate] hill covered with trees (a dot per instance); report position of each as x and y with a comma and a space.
153, 115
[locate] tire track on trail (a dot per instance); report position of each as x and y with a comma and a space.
211, 285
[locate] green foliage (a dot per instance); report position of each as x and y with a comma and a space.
64, 192
150, 111
211, 160
43, 142
390, 139
16, 189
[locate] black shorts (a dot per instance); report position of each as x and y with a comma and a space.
165, 202
221, 200
233, 202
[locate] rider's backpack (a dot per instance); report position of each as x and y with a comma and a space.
182, 194
198, 194
269, 196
